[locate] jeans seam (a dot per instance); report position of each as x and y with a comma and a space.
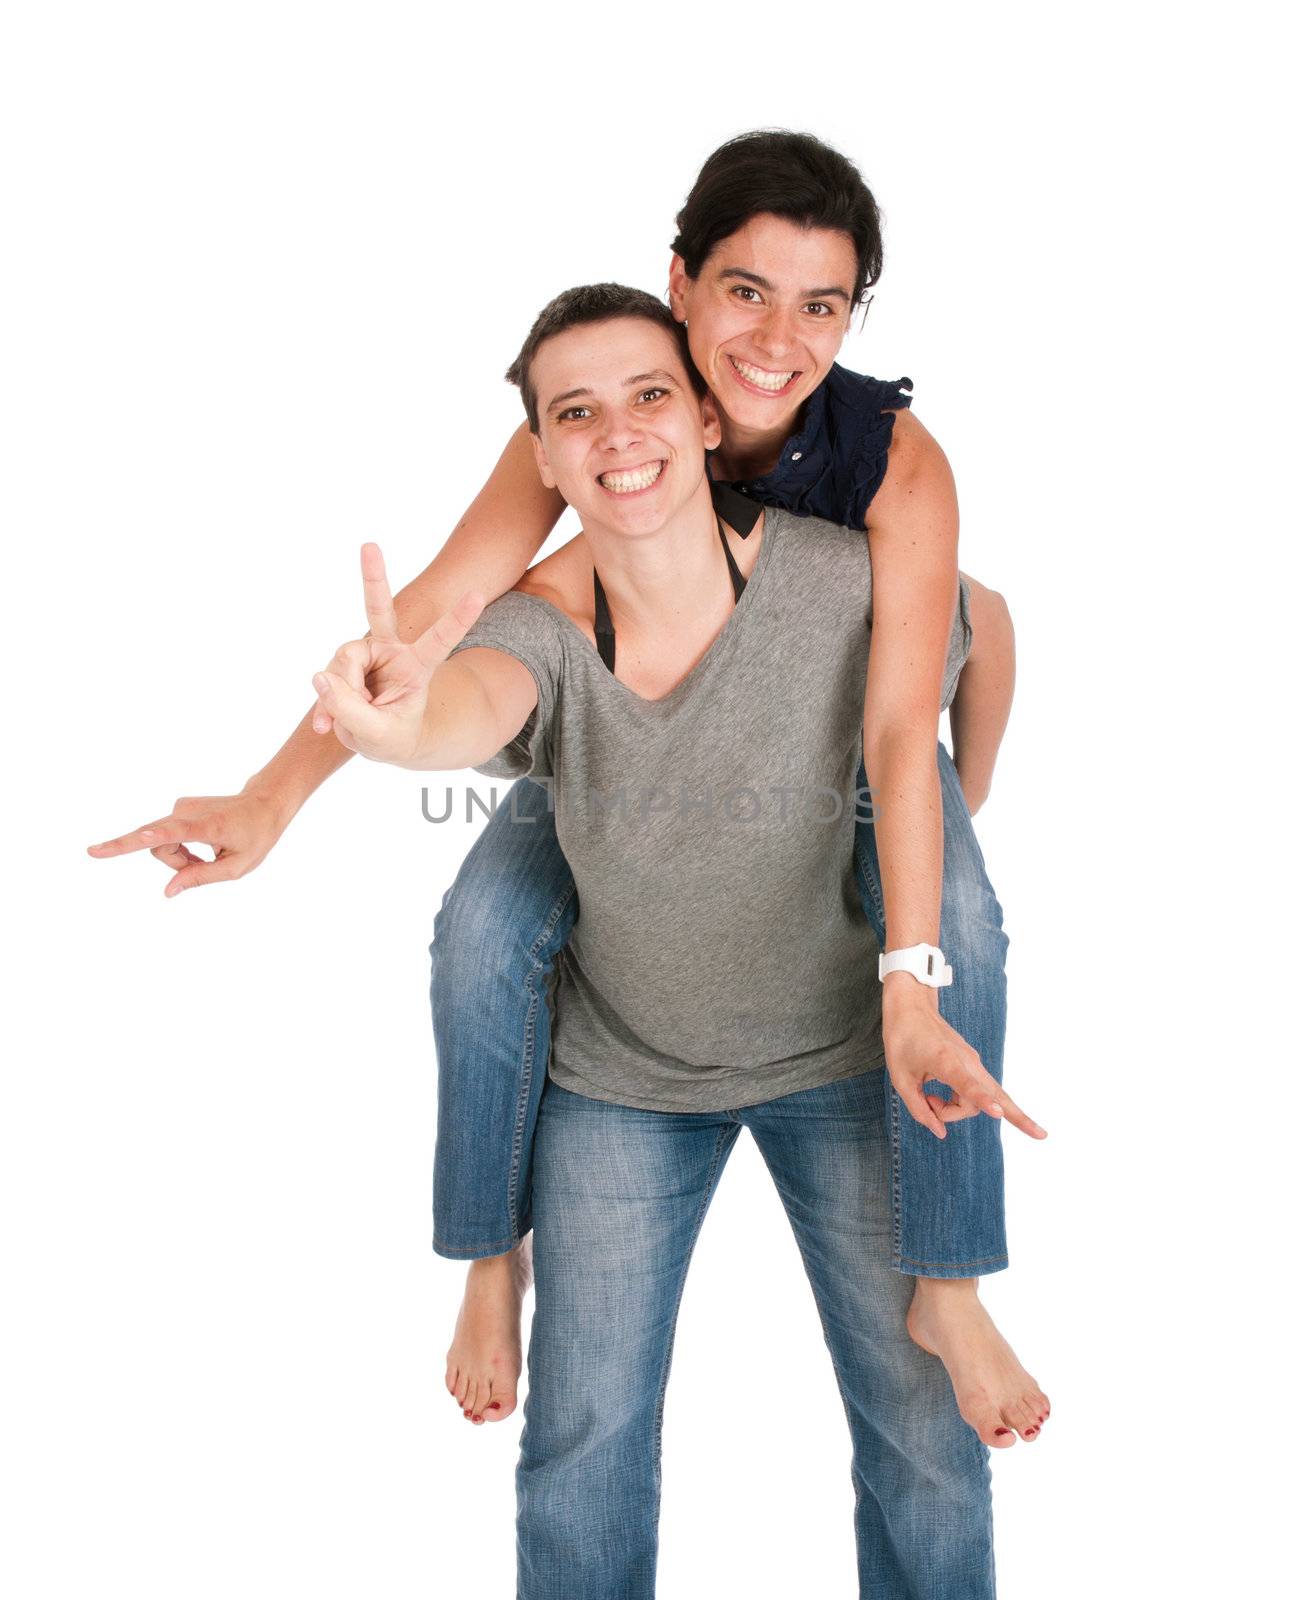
723, 1136
865, 870
528, 1051
893, 1103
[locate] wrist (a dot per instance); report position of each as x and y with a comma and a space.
925, 961
278, 797
901, 991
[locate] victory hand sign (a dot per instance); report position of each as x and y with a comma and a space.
374, 692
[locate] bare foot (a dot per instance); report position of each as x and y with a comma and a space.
484, 1360
996, 1395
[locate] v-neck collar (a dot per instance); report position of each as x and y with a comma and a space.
700, 668
605, 629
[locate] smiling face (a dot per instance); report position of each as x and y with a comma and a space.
766, 316
623, 435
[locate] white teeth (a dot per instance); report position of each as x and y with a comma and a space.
763, 380
628, 482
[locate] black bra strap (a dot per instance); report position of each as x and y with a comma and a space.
735, 572
604, 632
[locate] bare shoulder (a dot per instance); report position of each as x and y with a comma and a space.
917, 467
564, 579
913, 445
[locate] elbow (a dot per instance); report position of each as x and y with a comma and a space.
991, 620
900, 743
975, 795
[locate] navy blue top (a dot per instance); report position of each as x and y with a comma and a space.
834, 463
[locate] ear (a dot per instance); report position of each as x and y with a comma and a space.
542, 463
710, 421
681, 287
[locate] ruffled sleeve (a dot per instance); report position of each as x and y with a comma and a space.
869, 463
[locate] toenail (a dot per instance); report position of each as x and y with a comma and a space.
493, 1406
1002, 1430
1030, 1431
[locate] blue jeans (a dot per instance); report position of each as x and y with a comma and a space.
510, 911
619, 1197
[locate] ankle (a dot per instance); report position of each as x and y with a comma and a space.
946, 1289
485, 1269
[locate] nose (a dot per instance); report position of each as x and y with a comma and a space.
621, 431
776, 335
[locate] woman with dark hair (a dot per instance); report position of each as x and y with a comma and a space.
777, 245
687, 675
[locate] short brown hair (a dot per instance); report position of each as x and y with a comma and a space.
588, 303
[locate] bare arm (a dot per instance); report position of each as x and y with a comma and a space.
980, 710
490, 548
488, 551
477, 702
913, 541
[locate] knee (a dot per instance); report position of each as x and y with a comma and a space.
582, 1437
490, 929
936, 1448
475, 935
987, 610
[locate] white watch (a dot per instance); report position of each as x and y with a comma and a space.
926, 961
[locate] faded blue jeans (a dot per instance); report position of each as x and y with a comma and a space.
503, 921
619, 1198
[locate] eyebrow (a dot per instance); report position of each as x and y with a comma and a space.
580, 394
833, 291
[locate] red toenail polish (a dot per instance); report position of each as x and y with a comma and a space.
1002, 1430
493, 1406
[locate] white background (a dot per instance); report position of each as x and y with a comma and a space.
264, 267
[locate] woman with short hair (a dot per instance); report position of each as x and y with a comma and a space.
776, 246
692, 693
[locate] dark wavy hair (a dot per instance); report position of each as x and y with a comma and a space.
594, 302
792, 175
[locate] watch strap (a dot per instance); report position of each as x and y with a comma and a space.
926, 962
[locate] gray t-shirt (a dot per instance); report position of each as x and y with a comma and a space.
722, 955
